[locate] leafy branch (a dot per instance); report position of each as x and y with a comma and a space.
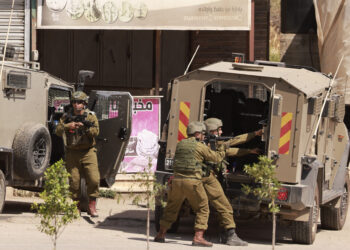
152, 190
264, 174
58, 209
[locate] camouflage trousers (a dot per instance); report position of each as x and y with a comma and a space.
83, 163
219, 201
192, 190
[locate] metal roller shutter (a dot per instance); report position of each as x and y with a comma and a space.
18, 34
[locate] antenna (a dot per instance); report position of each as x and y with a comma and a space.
324, 104
188, 66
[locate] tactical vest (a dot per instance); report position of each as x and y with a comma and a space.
184, 160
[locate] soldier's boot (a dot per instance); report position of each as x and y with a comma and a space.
198, 239
160, 237
232, 238
92, 207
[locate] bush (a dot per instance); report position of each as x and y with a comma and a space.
58, 209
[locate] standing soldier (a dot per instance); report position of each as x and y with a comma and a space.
214, 127
216, 195
78, 127
187, 184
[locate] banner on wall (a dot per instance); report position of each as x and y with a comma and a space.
145, 14
143, 143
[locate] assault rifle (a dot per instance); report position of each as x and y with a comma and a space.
79, 118
212, 139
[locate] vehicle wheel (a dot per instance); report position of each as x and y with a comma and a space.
333, 217
158, 214
305, 231
2, 190
32, 151
84, 199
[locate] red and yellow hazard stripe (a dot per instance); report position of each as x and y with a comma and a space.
184, 117
286, 125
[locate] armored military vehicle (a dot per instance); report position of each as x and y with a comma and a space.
310, 149
31, 104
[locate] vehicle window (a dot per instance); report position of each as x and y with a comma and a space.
105, 107
57, 100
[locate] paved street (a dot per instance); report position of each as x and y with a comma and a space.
123, 226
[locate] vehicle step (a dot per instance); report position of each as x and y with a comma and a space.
329, 195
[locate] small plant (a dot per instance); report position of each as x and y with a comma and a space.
58, 209
146, 181
263, 173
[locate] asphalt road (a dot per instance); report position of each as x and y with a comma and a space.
123, 226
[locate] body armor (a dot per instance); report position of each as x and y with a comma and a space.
184, 161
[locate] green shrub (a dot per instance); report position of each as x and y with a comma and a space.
58, 209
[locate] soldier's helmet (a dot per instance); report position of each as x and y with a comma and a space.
213, 124
80, 96
194, 127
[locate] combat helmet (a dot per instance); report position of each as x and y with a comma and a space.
194, 127
80, 96
212, 124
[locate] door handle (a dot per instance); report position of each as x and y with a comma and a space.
123, 133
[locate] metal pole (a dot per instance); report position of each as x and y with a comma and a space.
251, 33
158, 60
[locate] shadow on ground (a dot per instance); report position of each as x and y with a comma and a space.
257, 231
17, 207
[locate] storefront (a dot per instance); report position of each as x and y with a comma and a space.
141, 45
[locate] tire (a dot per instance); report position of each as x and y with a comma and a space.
32, 151
332, 217
2, 190
158, 214
84, 199
304, 232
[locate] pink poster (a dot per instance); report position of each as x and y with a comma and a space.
143, 143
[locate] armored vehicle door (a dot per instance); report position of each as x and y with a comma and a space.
114, 112
187, 104
271, 128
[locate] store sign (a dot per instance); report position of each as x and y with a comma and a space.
142, 149
145, 14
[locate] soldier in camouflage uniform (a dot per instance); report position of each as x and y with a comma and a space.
79, 140
214, 127
216, 195
188, 170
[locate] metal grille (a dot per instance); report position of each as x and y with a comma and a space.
339, 107
101, 107
329, 108
105, 107
58, 95
315, 105
17, 29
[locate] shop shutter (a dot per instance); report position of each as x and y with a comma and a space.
17, 29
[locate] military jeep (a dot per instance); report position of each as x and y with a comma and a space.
310, 152
31, 104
